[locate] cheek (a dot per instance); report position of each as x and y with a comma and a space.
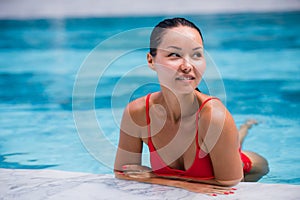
164, 71
165, 75
200, 68
171, 64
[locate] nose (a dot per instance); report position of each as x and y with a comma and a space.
186, 66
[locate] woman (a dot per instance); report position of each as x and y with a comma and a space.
193, 141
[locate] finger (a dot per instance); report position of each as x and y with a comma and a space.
132, 172
216, 193
222, 191
221, 187
130, 167
139, 176
138, 173
210, 189
137, 168
214, 187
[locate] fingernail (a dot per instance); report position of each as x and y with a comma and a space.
231, 192
214, 195
226, 192
120, 172
124, 167
233, 188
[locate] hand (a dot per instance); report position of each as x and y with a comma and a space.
212, 190
137, 171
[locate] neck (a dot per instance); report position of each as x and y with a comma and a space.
179, 106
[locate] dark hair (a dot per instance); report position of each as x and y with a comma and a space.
159, 29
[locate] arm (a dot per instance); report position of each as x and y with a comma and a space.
144, 175
218, 136
130, 142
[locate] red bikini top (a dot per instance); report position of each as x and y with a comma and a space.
201, 167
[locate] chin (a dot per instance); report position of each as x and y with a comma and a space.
185, 90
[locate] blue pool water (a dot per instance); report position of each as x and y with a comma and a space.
257, 56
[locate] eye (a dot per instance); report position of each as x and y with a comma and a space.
174, 55
197, 55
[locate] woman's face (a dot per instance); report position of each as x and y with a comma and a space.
179, 62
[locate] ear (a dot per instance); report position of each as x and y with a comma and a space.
150, 61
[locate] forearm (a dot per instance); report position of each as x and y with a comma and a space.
153, 180
206, 181
144, 174
219, 182
209, 187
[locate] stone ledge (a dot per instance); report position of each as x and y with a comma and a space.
52, 184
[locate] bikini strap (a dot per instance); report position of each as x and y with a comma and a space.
148, 114
207, 100
197, 116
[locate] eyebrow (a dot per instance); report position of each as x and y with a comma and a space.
197, 48
178, 48
174, 47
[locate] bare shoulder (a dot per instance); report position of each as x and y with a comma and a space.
136, 110
211, 105
215, 113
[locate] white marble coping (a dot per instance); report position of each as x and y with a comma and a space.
19, 184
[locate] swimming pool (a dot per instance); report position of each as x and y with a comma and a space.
256, 54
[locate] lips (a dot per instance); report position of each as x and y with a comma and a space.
185, 78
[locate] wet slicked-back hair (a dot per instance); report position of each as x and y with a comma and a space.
160, 28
